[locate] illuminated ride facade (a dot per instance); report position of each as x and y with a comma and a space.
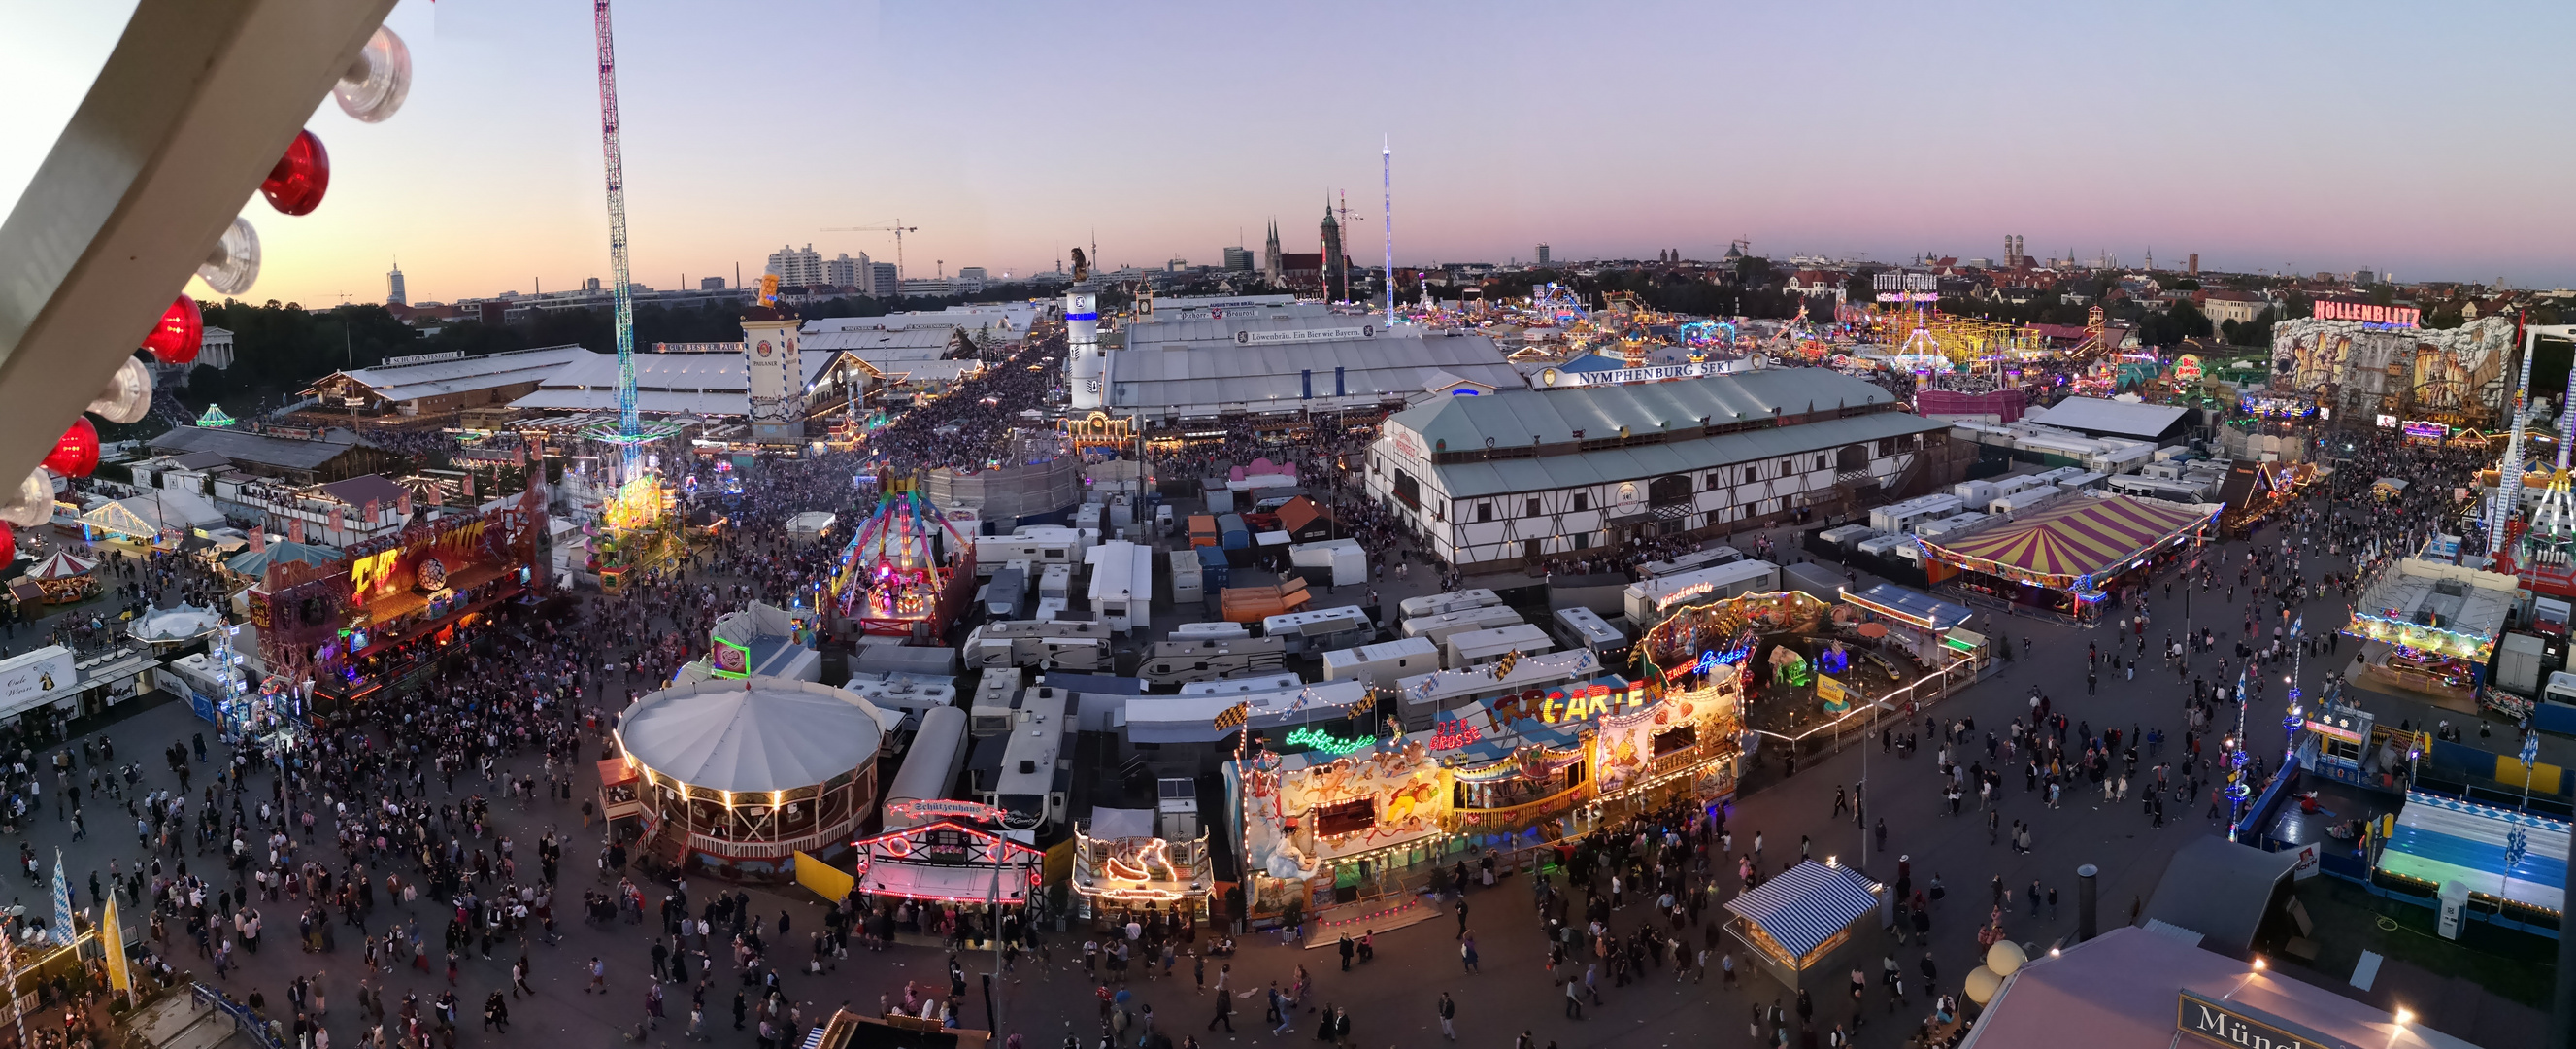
736, 776
384, 610
906, 572
956, 854
1556, 748
2432, 626
1123, 870
639, 533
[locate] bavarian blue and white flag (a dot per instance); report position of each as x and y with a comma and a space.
2517, 844
2530, 748
62, 928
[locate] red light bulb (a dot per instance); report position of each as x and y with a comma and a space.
177, 336
296, 184
76, 453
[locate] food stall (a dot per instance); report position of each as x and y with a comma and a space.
1806, 926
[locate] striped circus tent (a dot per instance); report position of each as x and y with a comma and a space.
2073, 540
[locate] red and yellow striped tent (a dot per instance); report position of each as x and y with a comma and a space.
2060, 544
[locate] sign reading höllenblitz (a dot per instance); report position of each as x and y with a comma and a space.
2232, 1024
1265, 338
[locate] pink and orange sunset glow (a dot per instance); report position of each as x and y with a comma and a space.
2410, 139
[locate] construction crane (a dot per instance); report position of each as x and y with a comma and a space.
629, 426
894, 226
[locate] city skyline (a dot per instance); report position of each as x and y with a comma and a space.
2388, 138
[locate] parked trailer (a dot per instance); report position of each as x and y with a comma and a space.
1581, 627
1122, 584
1321, 629
930, 768
1381, 665
1038, 643
1648, 601
1211, 631
1475, 648
1173, 662
1036, 775
1188, 586
995, 697
1060, 546
1691, 562
1442, 604
1438, 628
1005, 594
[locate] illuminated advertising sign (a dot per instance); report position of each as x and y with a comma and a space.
1273, 338
2368, 313
2426, 431
1909, 296
2387, 421
2186, 368
1318, 739
1575, 703
944, 808
1656, 373
1455, 733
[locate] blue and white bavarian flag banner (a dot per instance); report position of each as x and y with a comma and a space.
62, 928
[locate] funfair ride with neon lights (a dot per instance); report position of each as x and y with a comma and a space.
637, 517
906, 572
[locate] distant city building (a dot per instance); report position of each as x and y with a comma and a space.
1237, 260
845, 272
711, 284
2223, 306
591, 284
881, 281
795, 266
1176, 265
1542, 254
973, 273
394, 293
940, 287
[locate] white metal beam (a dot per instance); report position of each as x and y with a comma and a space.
192, 109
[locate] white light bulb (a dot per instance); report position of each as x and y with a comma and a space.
128, 394
233, 266
377, 80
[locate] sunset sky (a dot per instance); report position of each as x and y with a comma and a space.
2417, 139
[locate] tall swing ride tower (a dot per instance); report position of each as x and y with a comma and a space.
637, 516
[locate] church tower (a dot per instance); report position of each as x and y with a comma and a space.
1336, 265
1272, 268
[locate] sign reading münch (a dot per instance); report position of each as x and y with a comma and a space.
2243, 1028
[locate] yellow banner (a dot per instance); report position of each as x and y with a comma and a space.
825, 880
113, 939
2544, 776
1829, 690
